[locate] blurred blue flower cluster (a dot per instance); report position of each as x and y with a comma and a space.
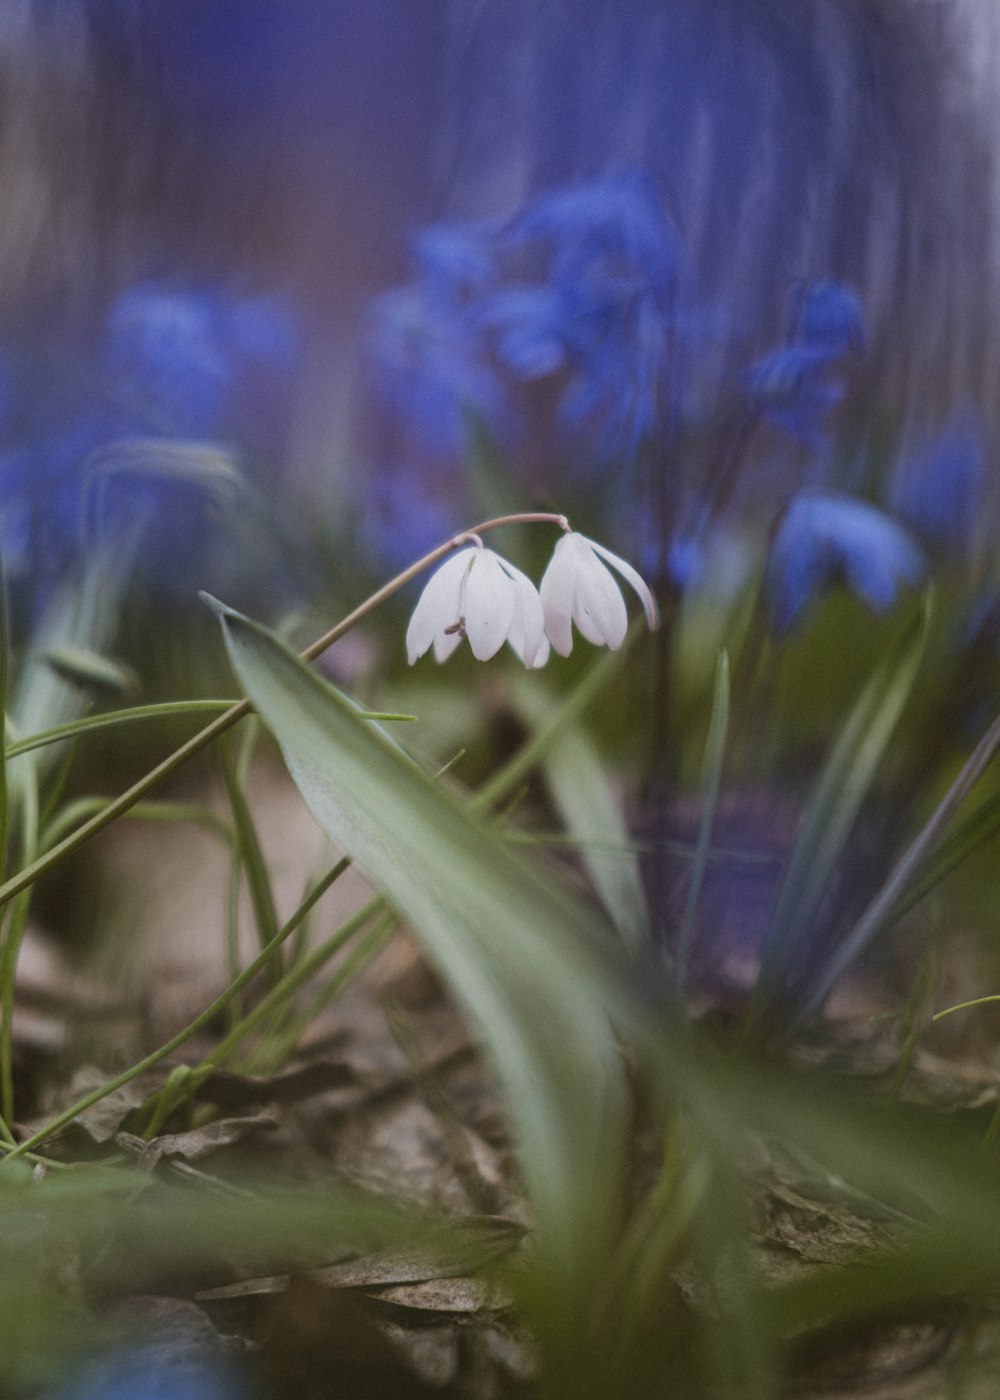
795, 387
567, 334
939, 489
199, 367
571, 303
140, 1374
597, 304
425, 350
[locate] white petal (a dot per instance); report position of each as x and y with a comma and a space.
445, 643
489, 605
557, 588
541, 655
439, 606
527, 629
634, 578
598, 606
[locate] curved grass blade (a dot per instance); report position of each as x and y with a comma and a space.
169, 709
831, 811
251, 860
715, 749
592, 812
962, 841
882, 908
73, 813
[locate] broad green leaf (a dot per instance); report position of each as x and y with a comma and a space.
531, 965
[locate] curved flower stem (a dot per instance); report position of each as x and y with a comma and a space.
115, 809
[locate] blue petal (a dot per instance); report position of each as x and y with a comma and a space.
454, 259
826, 534
939, 490
430, 371
831, 319
528, 327
791, 388
165, 352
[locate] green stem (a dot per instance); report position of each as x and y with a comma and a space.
69, 730
232, 948
965, 1005
129, 798
16, 925
253, 863
181, 812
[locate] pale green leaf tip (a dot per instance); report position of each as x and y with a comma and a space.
221, 610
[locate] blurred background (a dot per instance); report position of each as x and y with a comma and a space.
204, 205
289, 293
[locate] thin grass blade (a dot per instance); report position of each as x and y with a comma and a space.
715, 751
591, 809
836, 800
881, 909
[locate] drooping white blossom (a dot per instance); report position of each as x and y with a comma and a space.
477, 594
578, 586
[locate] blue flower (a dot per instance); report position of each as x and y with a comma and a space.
792, 388
198, 365
686, 561
939, 490
601, 307
165, 361
190, 363
529, 329
830, 318
260, 331
604, 230
619, 381
139, 1374
826, 535
455, 261
407, 513
579, 287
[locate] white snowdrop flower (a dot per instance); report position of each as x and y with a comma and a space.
578, 586
478, 595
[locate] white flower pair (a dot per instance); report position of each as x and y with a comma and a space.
479, 595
